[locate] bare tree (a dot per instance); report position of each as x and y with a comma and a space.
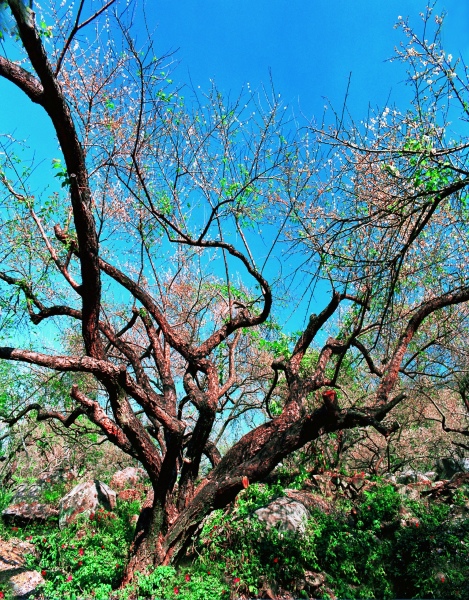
150, 260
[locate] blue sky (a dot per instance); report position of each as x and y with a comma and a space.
309, 47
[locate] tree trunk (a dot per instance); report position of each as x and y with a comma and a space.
145, 550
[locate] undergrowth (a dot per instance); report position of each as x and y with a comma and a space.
361, 549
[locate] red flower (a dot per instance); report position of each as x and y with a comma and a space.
187, 577
80, 562
236, 580
81, 552
69, 578
102, 547
63, 546
176, 590
275, 560
91, 516
43, 572
208, 573
442, 579
2, 595
245, 482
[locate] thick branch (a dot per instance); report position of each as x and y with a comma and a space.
97, 415
391, 373
26, 82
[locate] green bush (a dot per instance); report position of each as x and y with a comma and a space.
431, 559
362, 548
87, 558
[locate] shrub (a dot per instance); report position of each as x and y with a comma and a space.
87, 558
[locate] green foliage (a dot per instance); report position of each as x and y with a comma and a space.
196, 583
256, 496
431, 558
62, 173
5, 498
364, 550
362, 547
85, 559
54, 493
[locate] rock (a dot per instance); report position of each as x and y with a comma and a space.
27, 492
59, 475
12, 573
447, 467
310, 500
409, 492
129, 495
422, 479
284, 514
23, 513
407, 477
33, 492
84, 499
129, 476
314, 580
26, 583
12, 553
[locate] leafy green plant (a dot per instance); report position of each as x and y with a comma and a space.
199, 582
431, 558
54, 493
88, 557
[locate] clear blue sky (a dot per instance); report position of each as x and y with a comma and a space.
309, 46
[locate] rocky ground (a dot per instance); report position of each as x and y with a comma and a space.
287, 513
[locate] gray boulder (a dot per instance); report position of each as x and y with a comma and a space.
25, 584
128, 477
23, 513
285, 514
13, 574
407, 477
85, 499
27, 492
448, 466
